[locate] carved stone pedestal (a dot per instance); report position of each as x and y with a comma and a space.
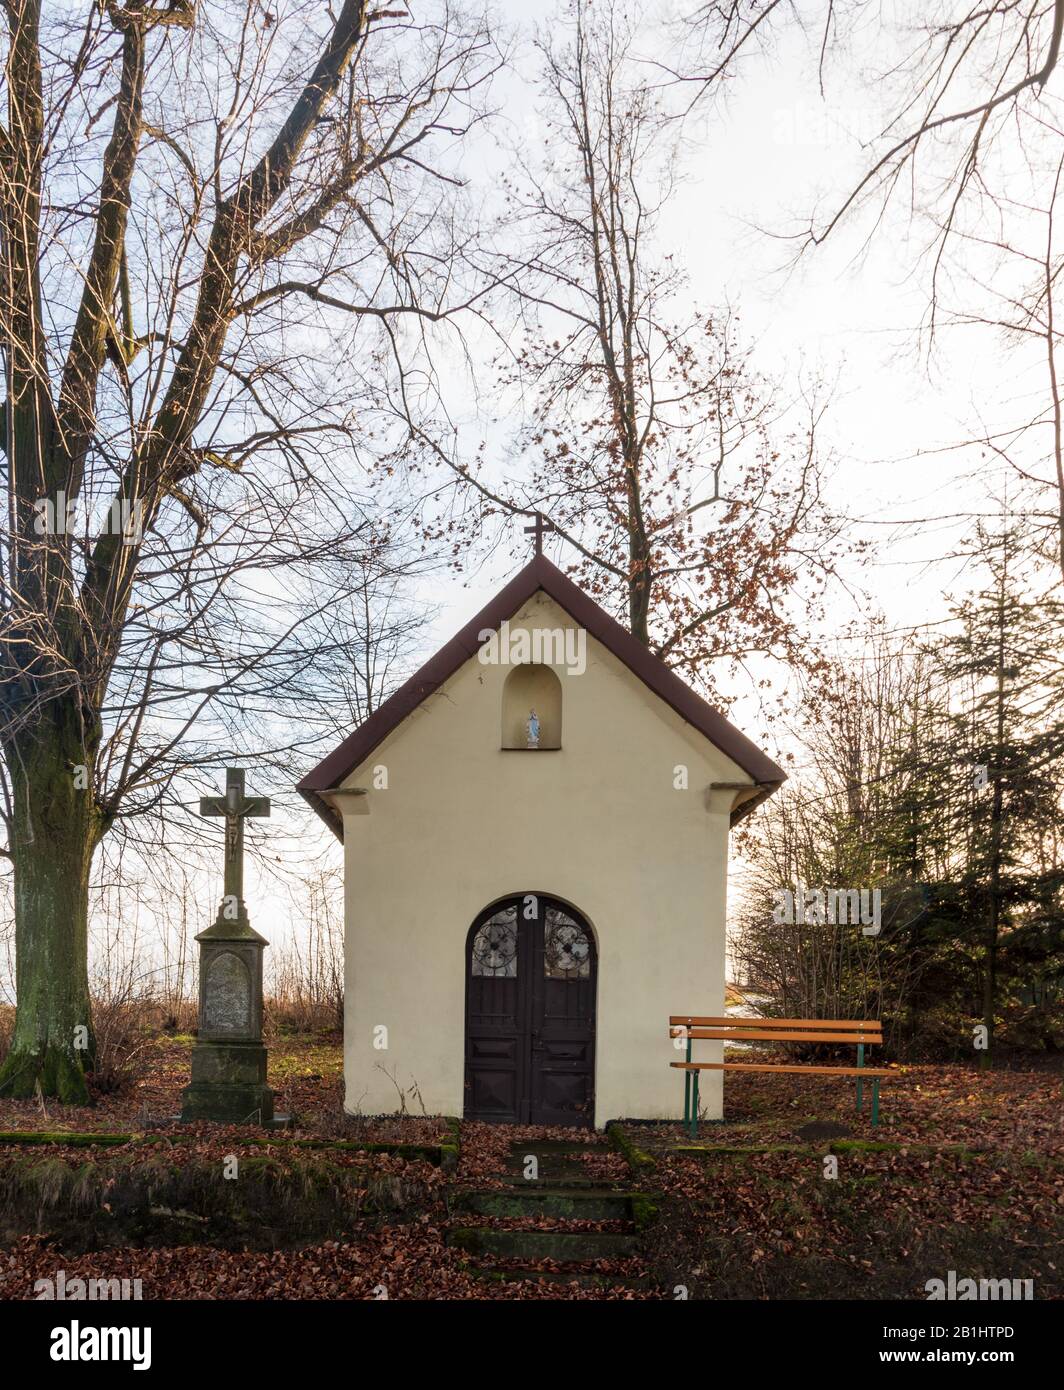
229, 1059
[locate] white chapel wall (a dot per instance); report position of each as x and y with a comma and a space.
599, 824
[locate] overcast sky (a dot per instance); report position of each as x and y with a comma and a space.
755, 166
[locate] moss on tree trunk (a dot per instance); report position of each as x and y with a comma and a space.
55, 827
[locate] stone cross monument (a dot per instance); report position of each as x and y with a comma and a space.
229, 1059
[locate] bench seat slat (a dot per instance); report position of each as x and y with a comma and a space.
771, 1066
724, 1035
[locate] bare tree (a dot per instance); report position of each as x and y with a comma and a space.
1004, 278
969, 79
211, 216
971, 149
687, 485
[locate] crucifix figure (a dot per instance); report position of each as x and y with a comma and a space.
542, 524
234, 806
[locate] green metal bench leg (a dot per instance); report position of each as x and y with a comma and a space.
694, 1105
875, 1102
860, 1063
687, 1087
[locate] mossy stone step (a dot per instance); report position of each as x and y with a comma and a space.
550, 1175
565, 1179
735, 1150
443, 1153
553, 1166
555, 1147
586, 1204
520, 1274
573, 1247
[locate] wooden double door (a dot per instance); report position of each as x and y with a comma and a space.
531, 976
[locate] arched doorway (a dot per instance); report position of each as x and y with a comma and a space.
531, 975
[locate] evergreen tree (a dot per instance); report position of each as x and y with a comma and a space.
1007, 676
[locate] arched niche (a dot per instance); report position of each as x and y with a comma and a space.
527, 688
227, 996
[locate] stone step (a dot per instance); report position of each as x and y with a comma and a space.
519, 1274
585, 1204
574, 1247
548, 1166
565, 1180
559, 1146
556, 1148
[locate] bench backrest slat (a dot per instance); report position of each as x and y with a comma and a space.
725, 1035
698, 1021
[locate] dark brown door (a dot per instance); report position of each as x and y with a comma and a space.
530, 1014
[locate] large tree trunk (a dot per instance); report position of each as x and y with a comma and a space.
986, 1057
61, 625
55, 834
639, 579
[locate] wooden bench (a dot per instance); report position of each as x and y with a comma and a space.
852, 1032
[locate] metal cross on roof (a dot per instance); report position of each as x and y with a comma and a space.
542, 524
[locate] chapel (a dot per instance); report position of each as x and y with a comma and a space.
535, 831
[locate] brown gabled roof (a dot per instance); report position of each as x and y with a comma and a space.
651, 670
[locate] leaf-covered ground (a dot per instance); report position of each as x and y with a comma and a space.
407, 1262
305, 1073
965, 1172
795, 1195
1016, 1105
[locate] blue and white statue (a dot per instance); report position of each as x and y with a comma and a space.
532, 724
